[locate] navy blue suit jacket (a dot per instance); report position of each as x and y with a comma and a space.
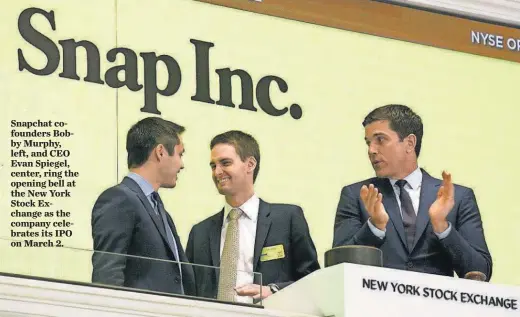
278, 224
462, 251
124, 222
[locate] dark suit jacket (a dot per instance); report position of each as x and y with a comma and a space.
277, 224
462, 251
124, 222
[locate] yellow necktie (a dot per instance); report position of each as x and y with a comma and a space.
229, 259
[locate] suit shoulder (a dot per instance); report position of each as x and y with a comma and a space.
115, 191
462, 187
459, 188
355, 187
114, 195
283, 209
282, 206
204, 224
462, 191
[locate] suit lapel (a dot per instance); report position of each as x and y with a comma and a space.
429, 188
392, 207
262, 229
135, 188
214, 237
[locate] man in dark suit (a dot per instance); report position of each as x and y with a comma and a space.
420, 223
132, 232
248, 234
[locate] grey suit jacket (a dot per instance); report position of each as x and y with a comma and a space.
278, 224
124, 222
462, 251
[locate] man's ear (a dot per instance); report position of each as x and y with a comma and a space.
158, 152
251, 164
411, 142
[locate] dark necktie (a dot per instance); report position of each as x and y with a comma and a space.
408, 213
169, 234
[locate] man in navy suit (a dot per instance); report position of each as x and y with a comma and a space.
420, 223
132, 232
271, 238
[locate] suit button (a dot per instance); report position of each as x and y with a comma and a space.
409, 265
177, 279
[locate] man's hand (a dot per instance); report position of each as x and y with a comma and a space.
373, 201
253, 290
444, 203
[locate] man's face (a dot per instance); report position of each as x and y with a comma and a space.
230, 174
171, 165
386, 152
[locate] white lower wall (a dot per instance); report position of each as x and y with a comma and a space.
27, 297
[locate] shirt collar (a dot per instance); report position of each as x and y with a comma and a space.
414, 179
249, 208
145, 186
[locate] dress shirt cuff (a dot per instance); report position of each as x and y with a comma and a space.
377, 232
445, 233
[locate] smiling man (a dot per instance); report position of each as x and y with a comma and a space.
420, 223
129, 220
248, 234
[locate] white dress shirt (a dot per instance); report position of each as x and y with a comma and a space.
413, 188
247, 233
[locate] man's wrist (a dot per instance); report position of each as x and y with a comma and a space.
445, 233
440, 226
379, 226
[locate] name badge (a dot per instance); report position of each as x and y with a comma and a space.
272, 253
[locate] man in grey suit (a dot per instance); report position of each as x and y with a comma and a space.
247, 235
130, 225
420, 223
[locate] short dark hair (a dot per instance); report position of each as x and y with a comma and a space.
401, 119
245, 146
146, 134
